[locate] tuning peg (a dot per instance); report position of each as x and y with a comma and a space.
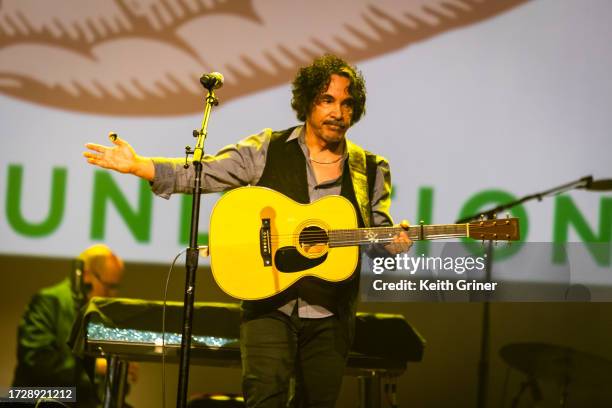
195, 133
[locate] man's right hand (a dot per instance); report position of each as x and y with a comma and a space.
121, 157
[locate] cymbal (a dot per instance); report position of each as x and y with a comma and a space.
563, 365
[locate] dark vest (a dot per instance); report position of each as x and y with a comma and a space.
285, 171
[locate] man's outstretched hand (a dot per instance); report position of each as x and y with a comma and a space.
121, 157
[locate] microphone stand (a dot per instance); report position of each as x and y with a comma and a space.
483, 365
191, 263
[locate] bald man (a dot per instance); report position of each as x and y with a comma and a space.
43, 356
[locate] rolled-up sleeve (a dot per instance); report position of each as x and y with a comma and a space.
233, 166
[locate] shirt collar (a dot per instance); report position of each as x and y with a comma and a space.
298, 133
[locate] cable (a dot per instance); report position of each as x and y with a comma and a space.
164, 327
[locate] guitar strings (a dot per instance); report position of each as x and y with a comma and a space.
392, 228
339, 237
321, 236
336, 234
411, 228
351, 237
382, 230
333, 242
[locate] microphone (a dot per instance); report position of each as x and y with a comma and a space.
599, 185
211, 81
80, 289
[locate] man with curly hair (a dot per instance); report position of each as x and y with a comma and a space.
294, 345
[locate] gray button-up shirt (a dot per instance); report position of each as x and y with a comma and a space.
243, 164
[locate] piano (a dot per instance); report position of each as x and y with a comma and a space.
123, 330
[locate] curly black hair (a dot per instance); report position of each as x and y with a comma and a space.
314, 79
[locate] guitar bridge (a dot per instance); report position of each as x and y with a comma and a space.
265, 242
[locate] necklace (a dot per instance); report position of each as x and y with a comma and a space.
330, 162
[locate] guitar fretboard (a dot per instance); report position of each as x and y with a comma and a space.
364, 236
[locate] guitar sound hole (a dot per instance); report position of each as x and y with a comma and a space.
313, 240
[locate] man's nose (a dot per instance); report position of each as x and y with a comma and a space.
336, 111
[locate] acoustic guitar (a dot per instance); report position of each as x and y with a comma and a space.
262, 242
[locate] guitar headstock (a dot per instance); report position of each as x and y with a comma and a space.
503, 229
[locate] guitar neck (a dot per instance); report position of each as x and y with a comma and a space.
365, 236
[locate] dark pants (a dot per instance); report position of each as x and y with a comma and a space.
292, 362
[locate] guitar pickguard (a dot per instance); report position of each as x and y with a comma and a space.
288, 259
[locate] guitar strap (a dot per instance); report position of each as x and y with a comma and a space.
362, 166
371, 172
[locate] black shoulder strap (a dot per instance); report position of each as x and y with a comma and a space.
371, 173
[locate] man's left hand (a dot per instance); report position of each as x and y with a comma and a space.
401, 242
